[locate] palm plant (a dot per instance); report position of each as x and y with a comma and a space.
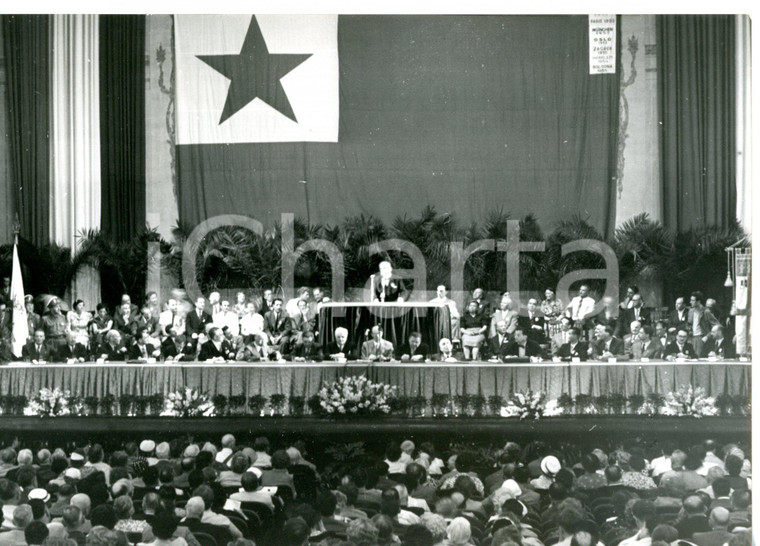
643, 248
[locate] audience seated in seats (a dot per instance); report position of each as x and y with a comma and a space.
252, 492
504, 312
278, 475
377, 348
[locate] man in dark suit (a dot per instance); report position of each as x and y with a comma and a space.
719, 535
497, 345
72, 351
389, 287
196, 320
111, 349
253, 349
679, 317
175, 347
574, 348
606, 345
216, 347
522, 346
267, 303
339, 349
637, 312
37, 350
307, 350
646, 346
533, 323
277, 326
125, 321
717, 346
680, 348
141, 349
414, 350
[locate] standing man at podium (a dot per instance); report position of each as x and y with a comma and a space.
389, 287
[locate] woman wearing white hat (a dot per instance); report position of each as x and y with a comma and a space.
550, 465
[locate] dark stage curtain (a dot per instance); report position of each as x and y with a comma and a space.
26, 39
465, 113
696, 79
122, 125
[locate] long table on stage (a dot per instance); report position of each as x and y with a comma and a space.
412, 379
398, 320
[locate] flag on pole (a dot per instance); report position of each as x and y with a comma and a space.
20, 324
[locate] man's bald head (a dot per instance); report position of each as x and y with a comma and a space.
195, 507
81, 501
719, 518
693, 504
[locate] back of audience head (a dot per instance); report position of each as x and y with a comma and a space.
362, 532
35, 533
419, 535
613, 474
103, 515
384, 526
389, 503
280, 460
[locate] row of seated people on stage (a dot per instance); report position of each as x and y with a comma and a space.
204, 493
282, 326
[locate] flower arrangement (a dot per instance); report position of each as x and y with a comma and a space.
188, 402
49, 403
355, 396
689, 401
530, 405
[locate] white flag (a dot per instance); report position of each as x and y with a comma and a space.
20, 324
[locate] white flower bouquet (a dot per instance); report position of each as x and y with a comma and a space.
349, 396
49, 403
530, 405
188, 402
689, 401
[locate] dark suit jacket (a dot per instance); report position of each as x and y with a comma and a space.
726, 349
579, 351
333, 349
312, 353
151, 325
29, 352
688, 349
195, 324
135, 354
531, 349
169, 348
675, 322
276, 327
220, 533
423, 350
496, 349
250, 353
112, 355
65, 352
395, 289
126, 327
209, 350
616, 347
712, 538
535, 334
627, 316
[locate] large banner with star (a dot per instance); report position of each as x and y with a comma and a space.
384, 115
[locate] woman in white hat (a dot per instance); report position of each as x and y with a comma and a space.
550, 465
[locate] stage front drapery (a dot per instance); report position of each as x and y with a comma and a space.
398, 320
425, 379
